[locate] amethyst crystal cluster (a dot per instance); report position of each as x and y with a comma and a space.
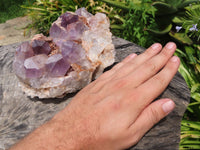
78, 49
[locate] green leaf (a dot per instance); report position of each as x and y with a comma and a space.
189, 147
117, 4
34, 8
196, 96
190, 110
181, 37
187, 2
177, 21
119, 27
191, 124
195, 87
198, 51
164, 8
191, 132
159, 33
194, 103
184, 128
190, 52
180, 53
183, 69
198, 67
192, 7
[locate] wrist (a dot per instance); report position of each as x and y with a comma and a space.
61, 135
76, 133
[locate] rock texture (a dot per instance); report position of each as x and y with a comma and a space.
19, 114
14, 30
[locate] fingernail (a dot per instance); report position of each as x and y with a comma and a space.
174, 59
155, 46
170, 45
168, 106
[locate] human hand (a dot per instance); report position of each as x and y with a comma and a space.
116, 110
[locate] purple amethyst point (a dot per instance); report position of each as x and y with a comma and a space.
56, 66
35, 66
68, 18
41, 47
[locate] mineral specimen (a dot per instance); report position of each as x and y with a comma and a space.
78, 49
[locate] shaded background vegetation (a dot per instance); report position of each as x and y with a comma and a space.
12, 8
142, 22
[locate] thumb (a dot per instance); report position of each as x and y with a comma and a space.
151, 115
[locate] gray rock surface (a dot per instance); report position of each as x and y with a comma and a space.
14, 30
19, 114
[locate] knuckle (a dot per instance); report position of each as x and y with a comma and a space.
134, 139
120, 83
152, 67
114, 106
170, 67
149, 52
105, 75
154, 116
160, 81
165, 53
133, 95
117, 66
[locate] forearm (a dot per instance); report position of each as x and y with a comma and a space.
53, 135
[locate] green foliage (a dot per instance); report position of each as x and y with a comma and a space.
166, 7
189, 68
10, 9
120, 5
192, 18
181, 37
138, 17
161, 33
138, 20
146, 20
170, 12
190, 135
191, 74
